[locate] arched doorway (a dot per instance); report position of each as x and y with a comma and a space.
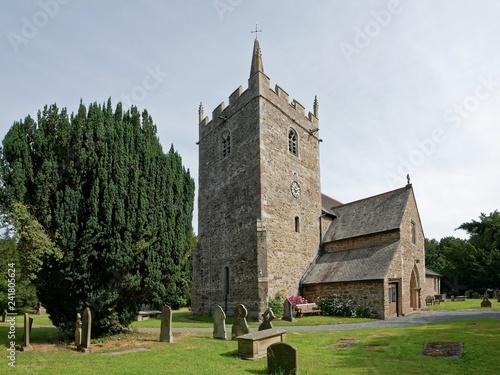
414, 289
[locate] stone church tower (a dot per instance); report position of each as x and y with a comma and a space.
259, 197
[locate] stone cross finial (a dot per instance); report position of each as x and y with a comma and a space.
408, 179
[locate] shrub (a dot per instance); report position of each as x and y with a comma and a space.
336, 306
276, 304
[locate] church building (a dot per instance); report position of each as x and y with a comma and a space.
264, 226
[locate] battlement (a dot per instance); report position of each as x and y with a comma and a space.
221, 111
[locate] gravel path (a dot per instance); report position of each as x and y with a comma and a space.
415, 318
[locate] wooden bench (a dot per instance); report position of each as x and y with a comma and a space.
145, 315
254, 345
307, 308
429, 300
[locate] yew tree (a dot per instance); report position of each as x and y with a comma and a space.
111, 212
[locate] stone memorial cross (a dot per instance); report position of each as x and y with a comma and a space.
240, 326
268, 316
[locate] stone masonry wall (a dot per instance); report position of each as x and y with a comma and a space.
411, 257
289, 252
366, 293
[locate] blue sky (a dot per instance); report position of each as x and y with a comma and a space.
403, 86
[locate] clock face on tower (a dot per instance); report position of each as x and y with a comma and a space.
295, 189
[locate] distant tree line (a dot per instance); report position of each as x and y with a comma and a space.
101, 215
472, 264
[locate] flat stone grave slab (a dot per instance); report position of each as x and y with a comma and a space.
127, 351
443, 349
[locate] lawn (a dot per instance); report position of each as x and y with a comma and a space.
394, 350
469, 304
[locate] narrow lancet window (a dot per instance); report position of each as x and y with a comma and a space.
226, 144
293, 146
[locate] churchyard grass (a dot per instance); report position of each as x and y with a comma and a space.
391, 350
184, 319
470, 303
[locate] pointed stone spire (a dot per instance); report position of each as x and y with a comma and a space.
315, 106
257, 65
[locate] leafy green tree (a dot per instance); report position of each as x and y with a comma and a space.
25, 292
102, 213
469, 264
485, 238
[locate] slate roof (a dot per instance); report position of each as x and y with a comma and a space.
328, 203
370, 215
429, 272
371, 263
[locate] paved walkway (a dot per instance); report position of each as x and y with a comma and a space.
415, 318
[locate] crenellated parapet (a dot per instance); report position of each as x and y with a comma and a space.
240, 97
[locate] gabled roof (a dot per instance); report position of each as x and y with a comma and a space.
329, 203
375, 214
371, 263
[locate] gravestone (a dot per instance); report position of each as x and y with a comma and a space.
219, 318
240, 326
78, 331
28, 322
166, 325
268, 316
467, 294
287, 311
476, 295
498, 300
86, 331
486, 302
4, 316
495, 294
282, 358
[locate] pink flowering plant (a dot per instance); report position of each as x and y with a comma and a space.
296, 300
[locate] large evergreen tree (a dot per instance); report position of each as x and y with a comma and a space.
111, 209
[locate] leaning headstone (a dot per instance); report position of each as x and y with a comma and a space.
4, 316
86, 331
240, 326
268, 316
166, 325
28, 322
219, 318
287, 311
78, 331
282, 358
486, 302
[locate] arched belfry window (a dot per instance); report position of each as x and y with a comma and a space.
293, 142
226, 144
